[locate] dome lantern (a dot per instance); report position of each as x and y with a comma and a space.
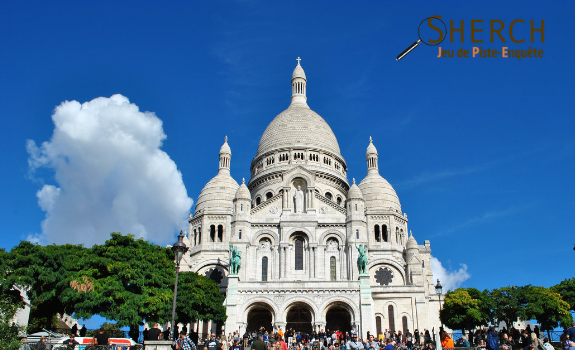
298, 85
225, 157
371, 156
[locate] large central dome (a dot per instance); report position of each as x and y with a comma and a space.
298, 126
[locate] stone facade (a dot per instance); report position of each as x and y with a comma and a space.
298, 223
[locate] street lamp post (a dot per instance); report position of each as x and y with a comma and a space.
438, 291
179, 248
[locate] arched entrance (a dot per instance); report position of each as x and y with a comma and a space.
338, 317
299, 317
259, 315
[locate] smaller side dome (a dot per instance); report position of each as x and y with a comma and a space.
243, 192
354, 192
411, 242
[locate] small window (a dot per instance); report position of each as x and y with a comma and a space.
298, 254
258, 201
391, 318
332, 268
269, 195
328, 196
220, 233
376, 232
356, 207
384, 232
423, 264
212, 233
240, 234
338, 200
264, 268
241, 207
356, 234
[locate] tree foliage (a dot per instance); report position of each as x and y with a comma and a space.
567, 290
127, 280
460, 310
508, 304
45, 273
199, 298
547, 307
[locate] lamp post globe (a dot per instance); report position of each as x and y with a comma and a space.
439, 291
179, 248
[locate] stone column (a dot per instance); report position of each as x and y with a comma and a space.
366, 306
320, 260
231, 303
313, 260
284, 252
276, 251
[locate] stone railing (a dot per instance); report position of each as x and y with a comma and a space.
330, 203
266, 203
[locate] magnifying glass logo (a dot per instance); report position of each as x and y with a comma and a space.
430, 42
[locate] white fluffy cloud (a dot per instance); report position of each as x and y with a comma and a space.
450, 280
111, 175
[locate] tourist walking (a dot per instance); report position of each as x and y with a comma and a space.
184, 343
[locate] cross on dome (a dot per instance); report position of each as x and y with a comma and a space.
298, 60
370, 140
226, 138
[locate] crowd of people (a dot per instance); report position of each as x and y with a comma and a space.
485, 338
488, 339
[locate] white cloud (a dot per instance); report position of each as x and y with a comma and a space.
450, 280
111, 175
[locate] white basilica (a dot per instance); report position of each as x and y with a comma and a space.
299, 226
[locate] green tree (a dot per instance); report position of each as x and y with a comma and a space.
567, 290
547, 307
199, 298
45, 272
485, 303
127, 280
460, 310
508, 303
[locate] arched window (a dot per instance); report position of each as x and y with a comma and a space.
404, 324
377, 235
269, 195
195, 237
212, 233
338, 200
258, 200
220, 233
356, 234
298, 254
199, 235
328, 196
391, 318
423, 264
241, 207
240, 234
265, 268
384, 232
397, 235
356, 207
332, 269
378, 325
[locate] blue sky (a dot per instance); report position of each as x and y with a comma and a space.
480, 150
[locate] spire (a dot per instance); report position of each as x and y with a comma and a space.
225, 157
371, 156
298, 85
